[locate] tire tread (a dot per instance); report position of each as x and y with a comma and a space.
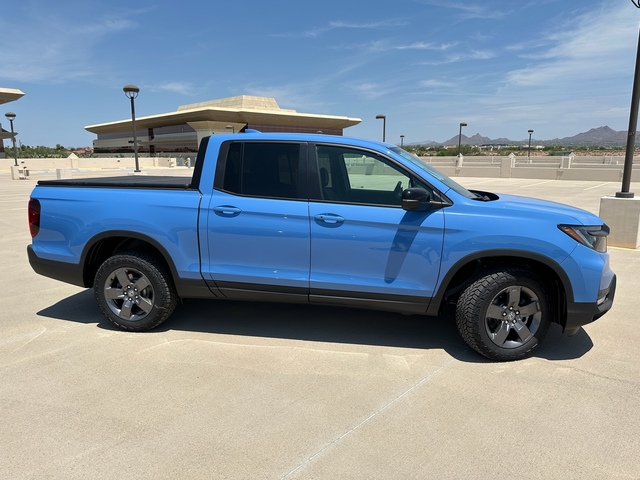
469, 314
165, 296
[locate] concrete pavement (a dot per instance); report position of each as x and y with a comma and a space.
267, 391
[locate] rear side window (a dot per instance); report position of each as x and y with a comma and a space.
262, 170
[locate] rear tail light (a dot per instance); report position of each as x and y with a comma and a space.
34, 217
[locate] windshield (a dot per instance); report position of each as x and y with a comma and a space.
456, 187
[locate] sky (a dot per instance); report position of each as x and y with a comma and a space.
559, 67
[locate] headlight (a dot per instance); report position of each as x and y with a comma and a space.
593, 236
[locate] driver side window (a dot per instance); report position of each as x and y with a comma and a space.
356, 176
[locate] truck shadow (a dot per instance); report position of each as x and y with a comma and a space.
318, 324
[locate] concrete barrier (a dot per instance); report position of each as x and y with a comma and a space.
63, 173
606, 169
19, 172
90, 163
597, 168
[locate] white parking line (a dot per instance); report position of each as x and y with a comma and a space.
479, 182
598, 186
539, 183
424, 380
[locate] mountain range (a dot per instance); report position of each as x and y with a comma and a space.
601, 136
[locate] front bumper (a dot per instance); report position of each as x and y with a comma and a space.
579, 314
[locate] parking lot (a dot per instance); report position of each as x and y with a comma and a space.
227, 390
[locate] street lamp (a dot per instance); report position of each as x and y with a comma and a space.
11, 117
462, 124
231, 127
131, 91
529, 153
633, 122
384, 125
401, 141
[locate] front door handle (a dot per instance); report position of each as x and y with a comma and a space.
329, 219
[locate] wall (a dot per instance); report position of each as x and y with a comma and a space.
37, 164
606, 169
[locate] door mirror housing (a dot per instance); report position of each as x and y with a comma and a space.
418, 199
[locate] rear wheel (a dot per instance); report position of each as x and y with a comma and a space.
504, 314
135, 291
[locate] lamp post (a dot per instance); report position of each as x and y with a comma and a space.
401, 141
384, 125
529, 152
131, 91
232, 128
11, 117
622, 212
633, 122
462, 124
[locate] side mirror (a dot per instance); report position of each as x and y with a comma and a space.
417, 199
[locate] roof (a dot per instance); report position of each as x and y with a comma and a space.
4, 134
241, 110
10, 94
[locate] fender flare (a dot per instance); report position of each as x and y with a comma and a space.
436, 301
89, 249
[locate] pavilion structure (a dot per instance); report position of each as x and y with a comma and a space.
7, 95
181, 131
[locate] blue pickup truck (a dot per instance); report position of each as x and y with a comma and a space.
330, 220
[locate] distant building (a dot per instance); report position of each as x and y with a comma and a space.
181, 131
7, 95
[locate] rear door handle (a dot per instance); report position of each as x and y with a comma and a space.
227, 210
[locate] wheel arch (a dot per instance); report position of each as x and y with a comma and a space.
107, 244
554, 278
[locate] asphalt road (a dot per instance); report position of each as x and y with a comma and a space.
229, 390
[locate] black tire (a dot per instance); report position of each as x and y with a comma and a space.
504, 314
135, 291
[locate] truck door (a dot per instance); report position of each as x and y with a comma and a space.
365, 249
258, 234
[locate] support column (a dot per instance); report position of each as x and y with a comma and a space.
622, 215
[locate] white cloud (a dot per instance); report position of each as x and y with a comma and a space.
369, 90
436, 84
595, 46
182, 88
48, 49
301, 97
424, 46
340, 24
574, 75
456, 57
470, 11
105, 27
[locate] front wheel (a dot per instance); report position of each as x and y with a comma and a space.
503, 314
134, 291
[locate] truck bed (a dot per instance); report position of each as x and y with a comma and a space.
134, 181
